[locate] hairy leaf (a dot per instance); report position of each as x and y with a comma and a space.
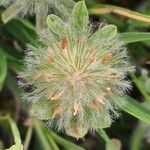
55, 24
80, 14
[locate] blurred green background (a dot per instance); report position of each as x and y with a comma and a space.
131, 131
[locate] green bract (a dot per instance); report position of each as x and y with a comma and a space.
77, 77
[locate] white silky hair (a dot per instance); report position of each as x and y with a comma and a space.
5, 3
93, 76
33, 7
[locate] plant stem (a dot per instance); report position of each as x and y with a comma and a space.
28, 138
41, 135
137, 137
40, 20
38, 23
106, 139
68, 145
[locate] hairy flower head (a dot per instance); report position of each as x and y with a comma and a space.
77, 77
5, 2
41, 7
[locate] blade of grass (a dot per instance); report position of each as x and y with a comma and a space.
20, 31
28, 138
15, 132
137, 110
131, 37
13, 56
41, 135
140, 86
1, 145
50, 139
68, 145
54, 145
136, 138
103, 8
105, 137
3, 69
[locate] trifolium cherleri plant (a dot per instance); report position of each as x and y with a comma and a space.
78, 77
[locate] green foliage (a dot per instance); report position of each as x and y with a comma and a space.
137, 137
55, 24
134, 108
143, 88
104, 32
103, 134
52, 138
17, 140
80, 15
131, 37
18, 32
3, 69
82, 72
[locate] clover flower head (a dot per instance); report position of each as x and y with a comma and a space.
5, 2
31, 7
78, 77
38, 6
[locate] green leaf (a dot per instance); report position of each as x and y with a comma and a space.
147, 86
80, 15
55, 24
1, 145
27, 24
28, 138
12, 11
52, 142
17, 139
137, 138
13, 86
50, 139
131, 37
15, 132
10, 53
141, 86
59, 140
38, 127
104, 32
14, 58
3, 69
137, 110
21, 31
